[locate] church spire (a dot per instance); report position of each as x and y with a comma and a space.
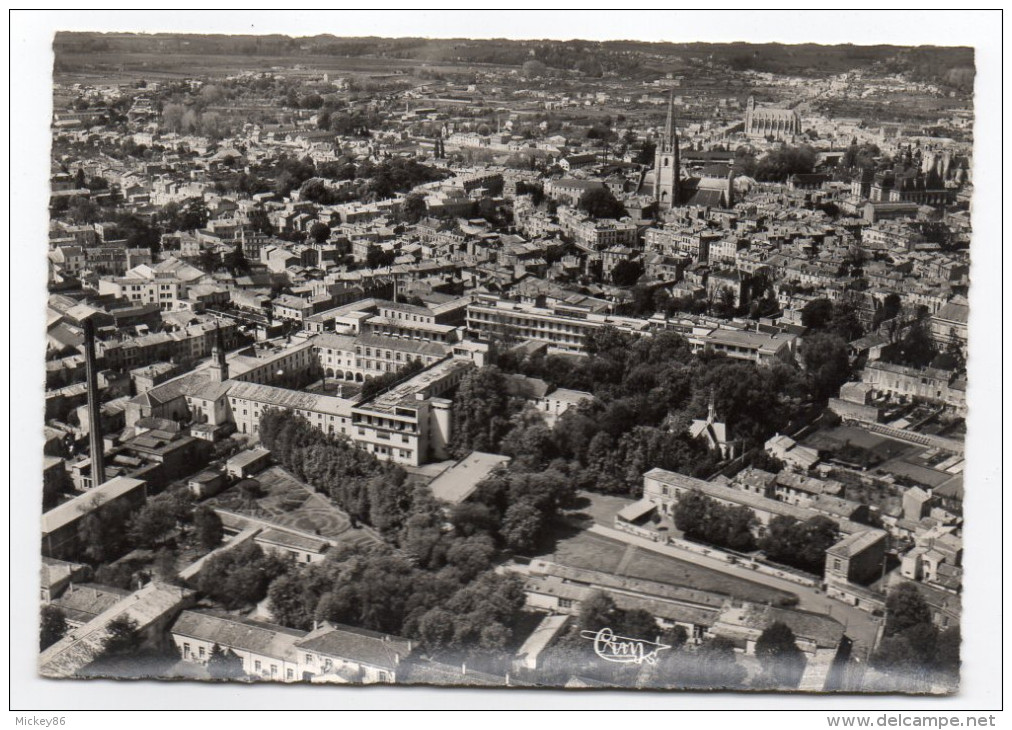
667, 162
219, 366
670, 134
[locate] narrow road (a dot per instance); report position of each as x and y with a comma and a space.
860, 626
627, 557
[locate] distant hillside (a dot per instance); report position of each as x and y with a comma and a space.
943, 65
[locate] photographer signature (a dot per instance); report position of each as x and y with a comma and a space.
622, 649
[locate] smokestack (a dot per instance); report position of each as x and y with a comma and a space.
94, 407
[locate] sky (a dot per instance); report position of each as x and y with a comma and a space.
787, 26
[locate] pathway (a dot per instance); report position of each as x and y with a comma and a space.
627, 557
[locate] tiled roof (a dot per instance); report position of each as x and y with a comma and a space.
359, 645
242, 634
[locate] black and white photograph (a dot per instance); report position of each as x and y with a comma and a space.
516, 363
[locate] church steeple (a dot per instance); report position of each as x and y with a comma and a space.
219, 366
667, 162
670, 135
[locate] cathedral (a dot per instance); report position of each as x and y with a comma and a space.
669, 189
782, 125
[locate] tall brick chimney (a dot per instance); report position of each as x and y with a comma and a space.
94, 407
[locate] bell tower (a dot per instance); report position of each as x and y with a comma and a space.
666, 162
219, 366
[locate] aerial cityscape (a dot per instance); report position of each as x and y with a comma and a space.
502, 363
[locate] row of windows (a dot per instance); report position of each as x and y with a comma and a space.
394, 314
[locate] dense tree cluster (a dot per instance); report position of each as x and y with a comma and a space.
800, 544
782, 162
703, 518
916, 348
368, 489
480, 412
518, 505
462, 606
627, 272
601, 203
159, 520
913, 650
836, 318
240, 576
861, 155
189, 215
827, 363
646, 392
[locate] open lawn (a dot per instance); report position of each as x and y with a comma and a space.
884, 448
585, 550
287, 502
335, 387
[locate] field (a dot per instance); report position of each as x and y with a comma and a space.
285, 501
123, 67
594, 552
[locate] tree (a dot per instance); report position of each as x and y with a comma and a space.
53, 625
533, 69
646, 153
816, 313
240, 576
844, 322
319, 232
826, 362
637, 623
782, 661
122, 637
158, 520
600, 202
377, 257
193, 215
703, 518
716, 666
597, 611
480, 412
208, 261
294, 598
905, 607
469, 518
785, 161
947, 650
892, 305
799, 544
224, 664
627, 272
103, 532
207, 528
165, 564
916, 348
317, 191
414, 208
236, 261
676, 637
311, 101
862, 156
521, 525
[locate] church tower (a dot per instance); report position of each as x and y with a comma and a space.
219, 367
666, 162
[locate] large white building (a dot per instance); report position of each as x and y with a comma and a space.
332, 653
